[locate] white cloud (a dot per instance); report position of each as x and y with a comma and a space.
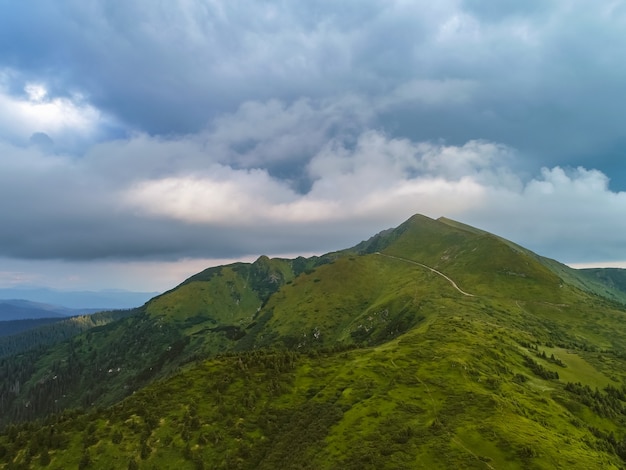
378, 175
226, 197
599, 264
36, 92
64, 118
569, 214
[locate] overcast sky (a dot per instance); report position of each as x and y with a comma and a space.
142, 141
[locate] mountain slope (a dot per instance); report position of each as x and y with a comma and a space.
605, 282
433, 345
13, 327
458, 391
614, 278
23, 310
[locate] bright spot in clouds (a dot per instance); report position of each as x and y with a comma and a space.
64, 118
35, 92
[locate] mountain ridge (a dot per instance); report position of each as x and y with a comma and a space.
351, 360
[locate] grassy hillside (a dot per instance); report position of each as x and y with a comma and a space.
614, 278
41, 333
72, 364
433, 345
464, 389
603, 282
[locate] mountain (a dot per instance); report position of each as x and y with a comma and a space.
13, 327
613, 277
431, 345
17, 315
92, 300
22, 310
19, 309
29, 338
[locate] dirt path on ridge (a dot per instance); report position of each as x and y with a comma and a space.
429, 268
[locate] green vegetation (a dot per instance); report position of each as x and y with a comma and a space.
359, 359
611, 278
12, 327
46, 334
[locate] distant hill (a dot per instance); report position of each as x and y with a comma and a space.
17, 315
431, 345
18, 309
612, 277
10, 311
92, 300
22, 336
12, 327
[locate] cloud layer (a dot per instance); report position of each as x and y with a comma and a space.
191, 200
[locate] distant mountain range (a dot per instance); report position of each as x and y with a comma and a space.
79, 300
13, 327
46, 306
433, 345
18, 309
18, 315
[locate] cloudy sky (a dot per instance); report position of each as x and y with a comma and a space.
142, 141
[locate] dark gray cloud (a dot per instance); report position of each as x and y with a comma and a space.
547, 78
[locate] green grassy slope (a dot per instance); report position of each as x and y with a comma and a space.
466, 388
383, 363
205, 315
472, 257
615, 278
604, 282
